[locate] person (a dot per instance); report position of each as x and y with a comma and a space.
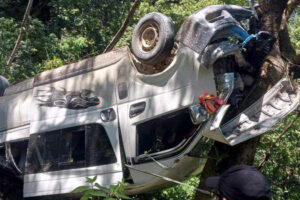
240, 182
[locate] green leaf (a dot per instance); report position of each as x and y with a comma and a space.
80, 189
109, 198
85, 197
98, 194
94, 179
102, 188
113, 189
123, 196
91, 180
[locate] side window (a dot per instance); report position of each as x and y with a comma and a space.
49, 150
70, 148
164, 133
99, 149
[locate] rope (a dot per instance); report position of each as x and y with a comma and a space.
169, 180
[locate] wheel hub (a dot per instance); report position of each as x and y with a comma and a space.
149, 38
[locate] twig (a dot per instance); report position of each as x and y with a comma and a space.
123, 27
269, 153
22, 29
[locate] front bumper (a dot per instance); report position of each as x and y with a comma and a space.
260, 117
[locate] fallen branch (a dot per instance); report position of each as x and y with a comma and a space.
22, 29
123, 27
269, 153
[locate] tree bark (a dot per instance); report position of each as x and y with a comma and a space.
295, 66
123, 27
273, 69
22, 29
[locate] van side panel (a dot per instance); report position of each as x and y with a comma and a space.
15, 110
64, 104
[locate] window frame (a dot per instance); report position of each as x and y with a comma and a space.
32, 145
143, 158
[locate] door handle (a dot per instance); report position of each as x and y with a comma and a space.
137, 109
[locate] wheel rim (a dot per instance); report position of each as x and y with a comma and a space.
148, 37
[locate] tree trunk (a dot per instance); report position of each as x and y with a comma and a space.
272, 70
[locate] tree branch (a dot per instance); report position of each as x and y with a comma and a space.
284, 38
295, 66
22, 29
269, 153
123, 27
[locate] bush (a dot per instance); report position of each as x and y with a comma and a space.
95, 191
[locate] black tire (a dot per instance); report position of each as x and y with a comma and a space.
3, 85
153, 38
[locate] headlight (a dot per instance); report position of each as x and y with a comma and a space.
198, 114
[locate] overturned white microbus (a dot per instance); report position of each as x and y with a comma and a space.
131, 116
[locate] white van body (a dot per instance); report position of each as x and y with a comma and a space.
102, 117
172, 90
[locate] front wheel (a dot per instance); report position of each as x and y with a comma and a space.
153, 38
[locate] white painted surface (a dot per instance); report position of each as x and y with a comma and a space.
19, 133
66, 184
15, 110
175, 88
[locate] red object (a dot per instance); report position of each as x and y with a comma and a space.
210, 108
210, 102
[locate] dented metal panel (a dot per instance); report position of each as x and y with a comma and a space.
260, 117
219, 50
263, 114
211, 23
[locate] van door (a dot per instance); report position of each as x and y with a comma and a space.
59, 161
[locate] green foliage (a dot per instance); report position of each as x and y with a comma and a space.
63, 31
237, 2
72, 31
282, 169
177, 11
294, 29
95, 191
174, 193
92, 23
35, 48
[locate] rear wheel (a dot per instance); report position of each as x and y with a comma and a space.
153, 38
